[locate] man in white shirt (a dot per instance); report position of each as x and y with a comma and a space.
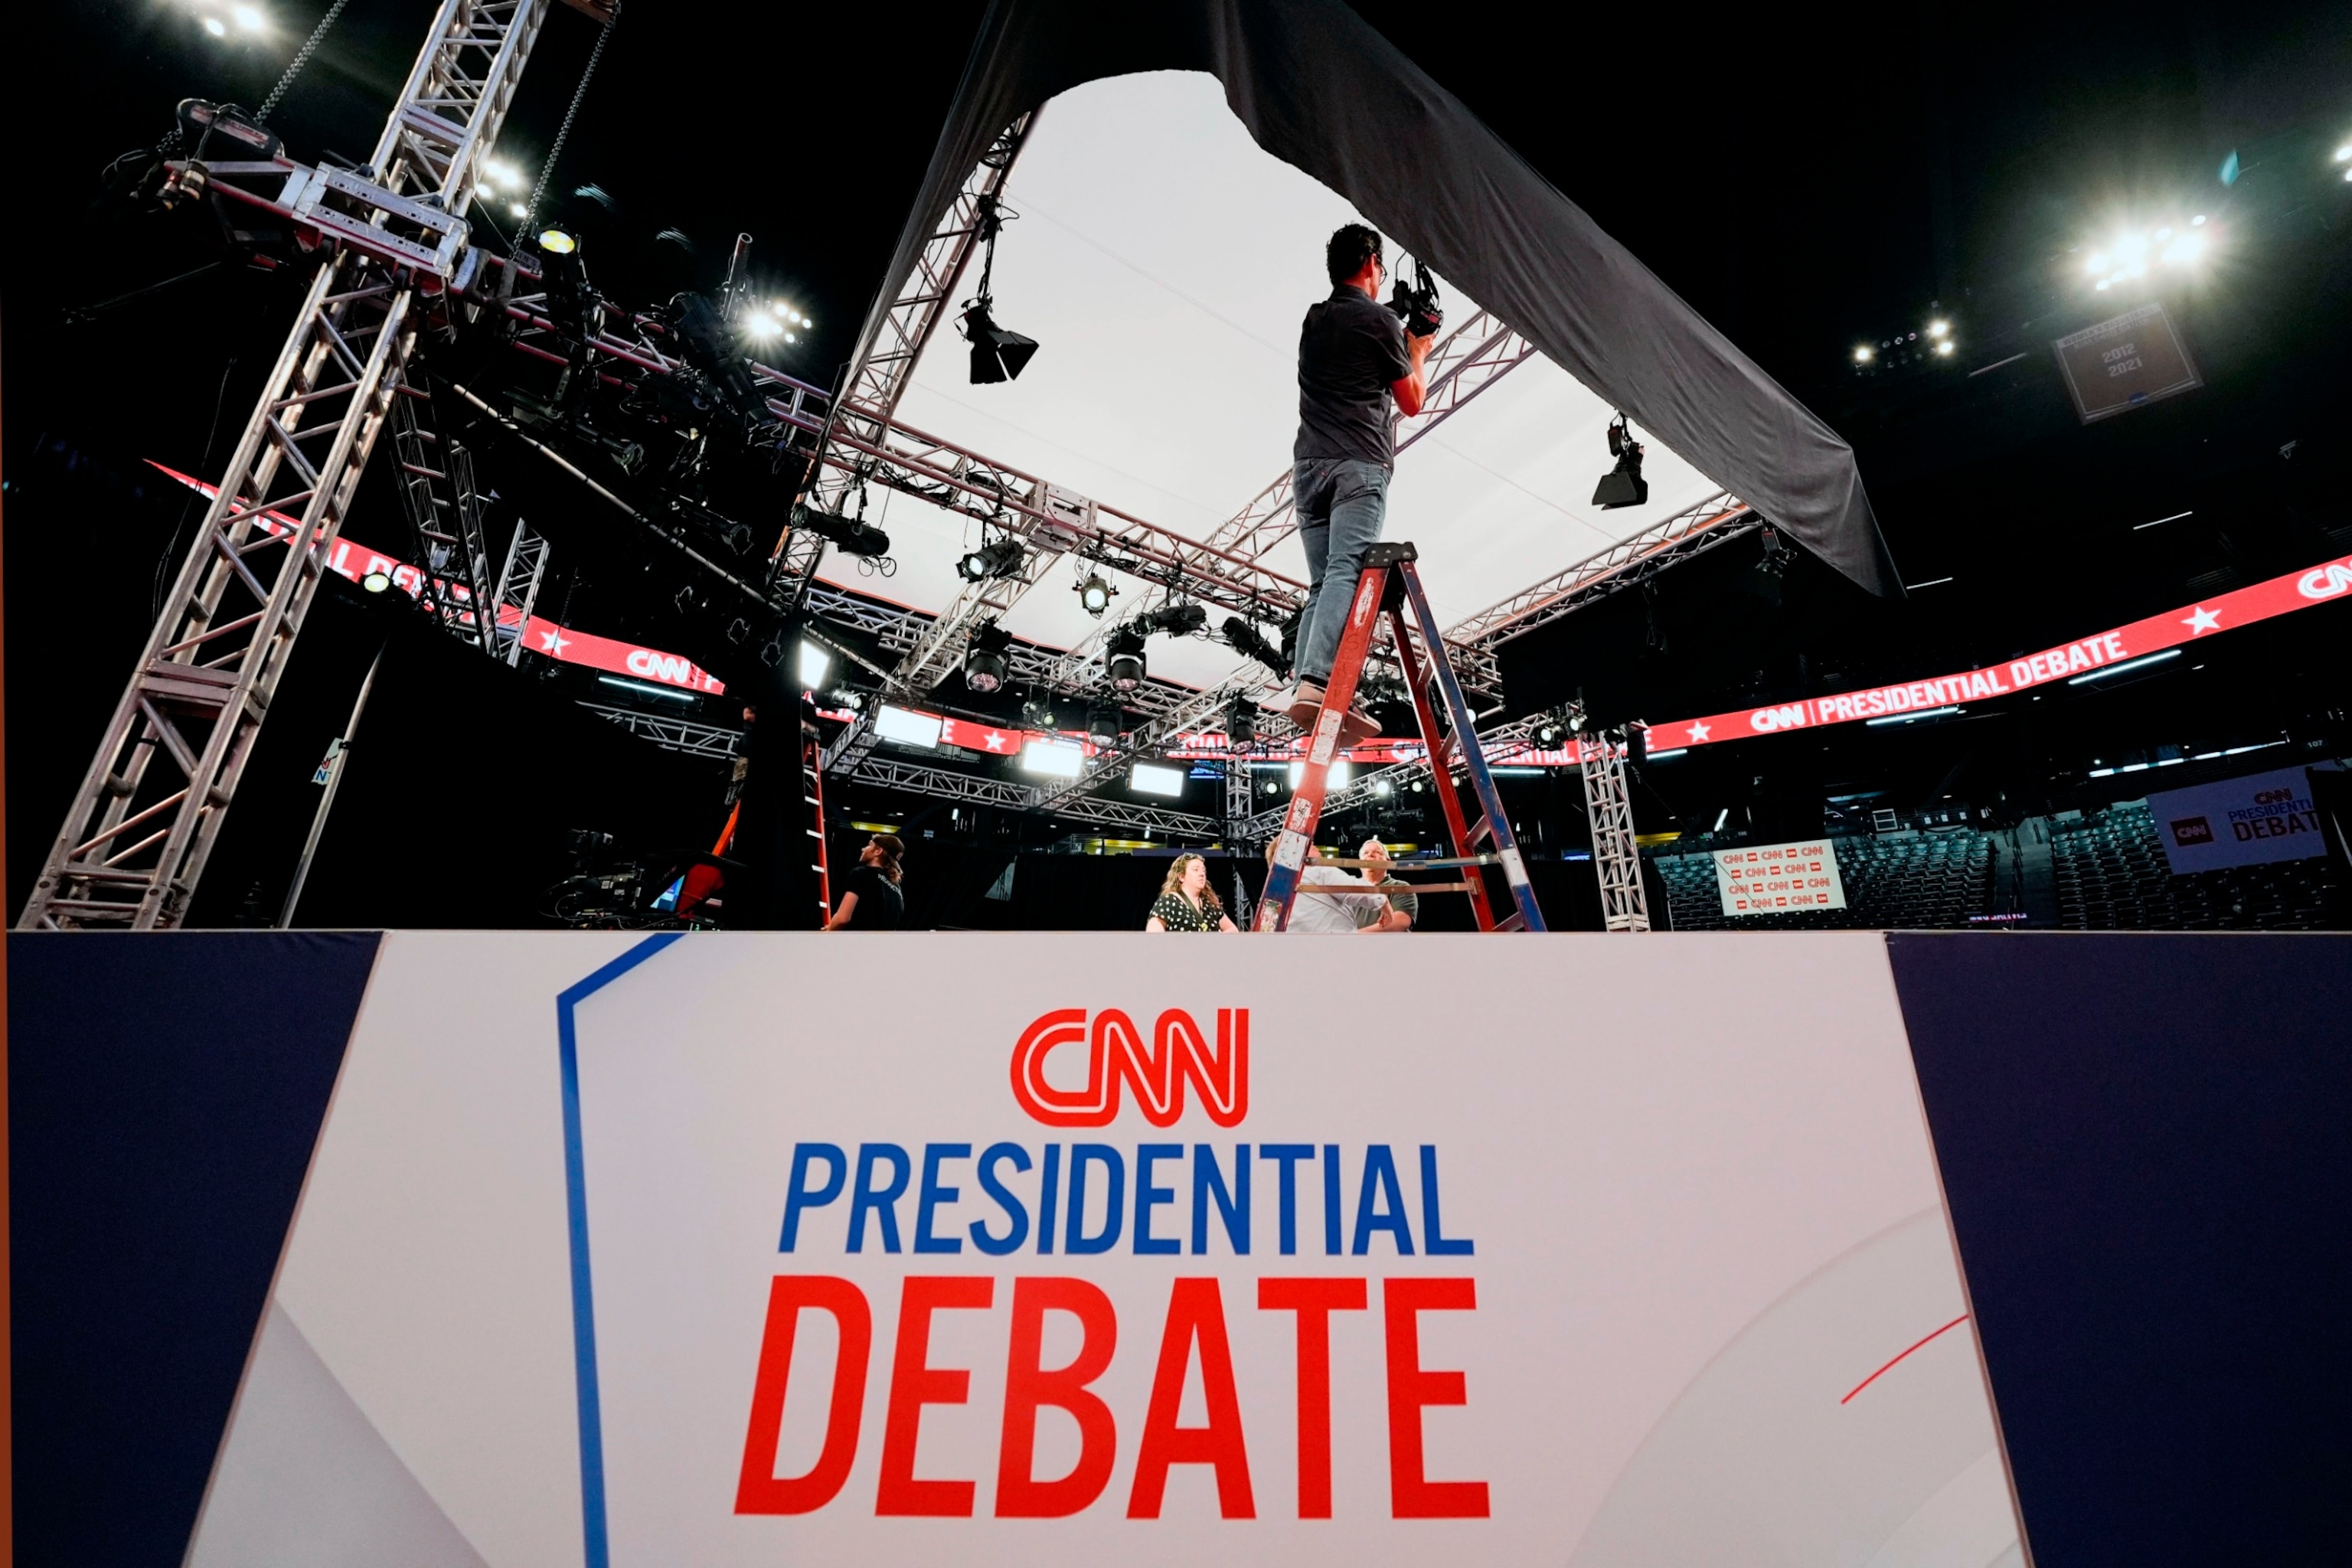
1353, 912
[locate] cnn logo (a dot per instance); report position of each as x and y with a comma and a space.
1179, 1052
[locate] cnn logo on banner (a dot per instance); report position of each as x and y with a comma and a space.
1116, 1054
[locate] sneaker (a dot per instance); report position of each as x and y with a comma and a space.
1355, 726
1302, 703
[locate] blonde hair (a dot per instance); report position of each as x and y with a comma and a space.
1174, 882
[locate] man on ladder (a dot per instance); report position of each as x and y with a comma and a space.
1359, 367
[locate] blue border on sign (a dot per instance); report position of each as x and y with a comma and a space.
575, 1201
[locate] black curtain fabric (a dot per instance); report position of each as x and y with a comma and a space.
1320, 89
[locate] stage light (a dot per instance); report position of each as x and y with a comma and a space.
811, 665
1945, 346
1418, 786
376, 582
555, 241
1550, 734
908, 728
1053, 759
1272, 787
1124, 659
215, 26
2344, 153
1623, 485
1241, 722
1383, 788
1244, 640
1095, 595
251, 20
2197, 222
997, 558
997, 354
852, 534
852, 700
1147, 778
1940, 329
1176, 620
1864, 354
760, 324
1038, 713
986, 666
1102, 726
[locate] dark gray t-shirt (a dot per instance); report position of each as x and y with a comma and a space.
1350, 350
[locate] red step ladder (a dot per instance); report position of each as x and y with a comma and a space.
813, 796
1389, 583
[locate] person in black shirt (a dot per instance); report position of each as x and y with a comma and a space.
870, 898
1357, 368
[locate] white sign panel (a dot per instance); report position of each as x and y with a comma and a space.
1766, 878
742, 1250
2239, 822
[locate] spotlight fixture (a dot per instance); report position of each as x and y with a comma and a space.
1095, 595
985, 665
1549, 735
1623, 485
1864, 354
1176, 620
852, 534
997, 354
377, 581
1940, 329
997, 558
1038, 713
853, 701
1102, 726
558, 242
1944, 345
1246, 640
1241, 723
1123, 659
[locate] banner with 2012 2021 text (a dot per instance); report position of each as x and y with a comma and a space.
1073, 1248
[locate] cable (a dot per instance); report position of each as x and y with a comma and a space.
301, 57
562, 132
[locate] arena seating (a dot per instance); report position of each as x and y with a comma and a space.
1908, 881
2112, 876
2109, 864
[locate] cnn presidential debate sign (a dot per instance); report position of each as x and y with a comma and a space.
1023, 1249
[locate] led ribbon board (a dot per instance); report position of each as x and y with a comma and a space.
2103, 650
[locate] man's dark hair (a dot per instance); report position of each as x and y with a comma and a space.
1350, 246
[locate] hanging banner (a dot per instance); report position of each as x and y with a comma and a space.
1766, 878
2280, 595
2248, 820
1005, 1251
2131, 359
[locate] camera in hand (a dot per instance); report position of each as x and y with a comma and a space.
1415, 303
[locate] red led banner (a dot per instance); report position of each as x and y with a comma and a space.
2242, 607
354, 561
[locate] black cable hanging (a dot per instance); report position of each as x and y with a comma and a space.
562, 134
301, 57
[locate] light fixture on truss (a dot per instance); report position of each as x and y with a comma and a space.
986, 664
1095, 594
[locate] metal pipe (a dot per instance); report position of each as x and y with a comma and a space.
334, 781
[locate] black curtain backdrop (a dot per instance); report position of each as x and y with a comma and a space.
1320, 89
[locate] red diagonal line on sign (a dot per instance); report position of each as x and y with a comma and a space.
1883, 1371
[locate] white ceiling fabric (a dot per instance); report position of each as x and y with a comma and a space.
1164, 261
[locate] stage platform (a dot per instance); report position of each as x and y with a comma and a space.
614, 1248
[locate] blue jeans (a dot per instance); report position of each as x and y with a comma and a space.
1341, 503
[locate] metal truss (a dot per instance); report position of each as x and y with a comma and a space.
958, 480
518, 581
136, 837
444, 518
879, 378
672, 734
985, 789
1715, 521
1609, 808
